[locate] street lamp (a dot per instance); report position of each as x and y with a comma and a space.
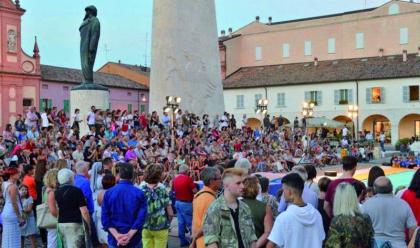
307, 111
172, 106
353, 112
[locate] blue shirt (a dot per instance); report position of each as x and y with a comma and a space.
83, 183
124, 207
308, 196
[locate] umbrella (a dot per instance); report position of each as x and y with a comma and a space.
253, 123
323, 122
415, 147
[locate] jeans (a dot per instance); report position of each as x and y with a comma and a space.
184, 215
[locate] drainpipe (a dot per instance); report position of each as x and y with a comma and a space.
357, 103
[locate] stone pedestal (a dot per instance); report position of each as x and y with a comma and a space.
83, 99
185, 56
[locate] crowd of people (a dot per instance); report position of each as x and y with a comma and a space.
121, 183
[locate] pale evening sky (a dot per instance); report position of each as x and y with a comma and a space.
125, 24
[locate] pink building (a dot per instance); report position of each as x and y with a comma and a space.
19, 73
57, 82
386, 30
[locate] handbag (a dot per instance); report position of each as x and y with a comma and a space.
44, 217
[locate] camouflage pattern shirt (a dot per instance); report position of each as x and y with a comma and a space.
219, 226
350, 232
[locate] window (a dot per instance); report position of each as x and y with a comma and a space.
376, 95
313, 97
344, 97
394, 9
44, 104
331, 45
257, 98
130, 107
27, 102
258, 53
414, 92
66, 106
403, 36
142, 108
308, 48
281, 100
360, 43
240, 101
65, 88
45, 86
129, 93
286, 48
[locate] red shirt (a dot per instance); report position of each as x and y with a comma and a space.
410, 197
183, 186
329, 196
30, 183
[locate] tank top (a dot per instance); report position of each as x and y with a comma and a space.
8, 211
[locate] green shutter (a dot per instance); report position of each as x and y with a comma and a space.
382, 95
50, 103
368, 95
42, 105
142, 108
336, 97
350, 96
66, 106
130, 107
405, 94
319, 98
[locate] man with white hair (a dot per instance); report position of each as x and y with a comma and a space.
72, 211
82, 182
243, 163
308, 195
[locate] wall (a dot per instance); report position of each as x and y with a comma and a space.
126, 73
380, 29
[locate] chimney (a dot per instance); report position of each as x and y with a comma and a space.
270, 20
315, 61
223, 32
119, 61
230, 32
17, 3
257, 18
404, 55
381, 52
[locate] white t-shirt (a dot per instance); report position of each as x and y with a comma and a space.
91, 118
345, 131
298, 227
44, 119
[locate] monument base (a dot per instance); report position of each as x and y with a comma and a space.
84, 99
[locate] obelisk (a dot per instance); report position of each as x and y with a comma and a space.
185, 56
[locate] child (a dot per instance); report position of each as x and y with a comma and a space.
28, 230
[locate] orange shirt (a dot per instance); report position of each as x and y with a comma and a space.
30, 183
201, 202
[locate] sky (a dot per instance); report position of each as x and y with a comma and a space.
126, 26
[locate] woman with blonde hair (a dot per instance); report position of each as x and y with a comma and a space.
50, 182
349, 227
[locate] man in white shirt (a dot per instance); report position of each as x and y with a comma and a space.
78, 153
91, 117
301, 224
345, 131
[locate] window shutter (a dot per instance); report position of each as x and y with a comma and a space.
319, 98
42, 105
405, 94
336, 97
382, 95
307, 96
282, 98
350, 96
49, 103
66, 106
368, 95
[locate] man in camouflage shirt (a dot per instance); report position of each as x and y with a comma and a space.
228, 221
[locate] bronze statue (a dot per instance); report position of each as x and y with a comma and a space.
90, 30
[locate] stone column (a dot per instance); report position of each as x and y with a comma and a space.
185, 56
83, 99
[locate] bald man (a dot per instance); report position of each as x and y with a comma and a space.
390, 215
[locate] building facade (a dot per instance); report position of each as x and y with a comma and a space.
137, 73
57, 82
368, 58
19, 73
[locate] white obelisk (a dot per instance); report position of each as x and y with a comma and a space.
185, 56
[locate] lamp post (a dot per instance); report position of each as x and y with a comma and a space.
172, 107
262, 108
307, 111
353, 112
